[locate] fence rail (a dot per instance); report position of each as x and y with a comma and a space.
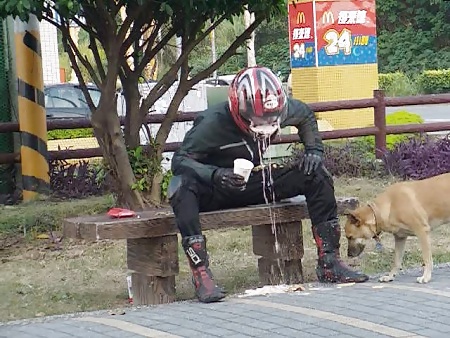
379, 102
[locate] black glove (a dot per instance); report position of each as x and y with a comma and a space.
310, 162
227, 179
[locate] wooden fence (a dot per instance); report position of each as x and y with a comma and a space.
379, 102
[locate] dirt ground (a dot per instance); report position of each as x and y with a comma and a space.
37, 280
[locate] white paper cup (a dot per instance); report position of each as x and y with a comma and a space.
243, 167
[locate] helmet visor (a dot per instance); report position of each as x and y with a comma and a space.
264, 121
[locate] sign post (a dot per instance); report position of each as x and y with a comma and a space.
333, 48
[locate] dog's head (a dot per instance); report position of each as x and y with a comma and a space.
360, 225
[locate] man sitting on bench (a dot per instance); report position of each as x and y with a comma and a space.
242, 128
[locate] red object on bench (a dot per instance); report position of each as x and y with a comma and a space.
121, 213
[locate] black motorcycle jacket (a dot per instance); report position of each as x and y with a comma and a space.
216, 141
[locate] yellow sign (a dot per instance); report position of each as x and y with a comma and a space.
301, 18
328, 17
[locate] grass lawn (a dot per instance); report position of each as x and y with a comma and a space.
36, 280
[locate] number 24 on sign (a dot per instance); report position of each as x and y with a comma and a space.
338, 41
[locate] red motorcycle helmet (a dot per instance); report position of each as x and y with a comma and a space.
257, 100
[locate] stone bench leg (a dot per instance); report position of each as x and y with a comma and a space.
284, 266
154, 265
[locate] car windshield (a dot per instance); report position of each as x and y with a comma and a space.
70, 97
95, 96
94, 93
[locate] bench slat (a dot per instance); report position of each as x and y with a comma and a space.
161, 222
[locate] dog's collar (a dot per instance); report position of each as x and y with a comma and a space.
378, 221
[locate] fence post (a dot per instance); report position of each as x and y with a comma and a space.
380, 123
31, 104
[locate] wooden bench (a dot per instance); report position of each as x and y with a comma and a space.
152, 243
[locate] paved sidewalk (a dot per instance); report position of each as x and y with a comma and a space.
402, 308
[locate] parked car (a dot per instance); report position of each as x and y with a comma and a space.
66, 100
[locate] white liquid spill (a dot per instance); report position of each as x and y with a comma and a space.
274, 289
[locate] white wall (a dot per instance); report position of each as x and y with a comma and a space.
49, 47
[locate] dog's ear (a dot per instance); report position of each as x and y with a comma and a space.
352, 216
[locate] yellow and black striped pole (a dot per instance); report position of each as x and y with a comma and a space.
31, 106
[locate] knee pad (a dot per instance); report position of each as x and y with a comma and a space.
177, 183
174, 185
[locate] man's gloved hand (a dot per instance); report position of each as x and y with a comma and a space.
227, 179
310, 162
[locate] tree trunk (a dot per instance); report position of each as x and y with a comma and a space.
161, 137
155, 193
249, 18
109, 136
133, 120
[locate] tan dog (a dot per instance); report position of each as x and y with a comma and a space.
409, 208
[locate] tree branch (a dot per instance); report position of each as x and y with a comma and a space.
125, 67
126, 24
170, 76
117, 7
227, 54
94, 48
150, 52
101, 31
204, 34
66, 37
172, 111
52, 22
84, 61
85, 27
122, 76
110, 21
137, 17
151, 37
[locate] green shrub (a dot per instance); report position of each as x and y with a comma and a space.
62, 134
165, 185
397, 118
387, 80
434, 81
397, 84
144, 167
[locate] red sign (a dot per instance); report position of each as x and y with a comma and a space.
301, 34
346, 32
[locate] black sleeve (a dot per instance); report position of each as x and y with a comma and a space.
198, 142
302, 117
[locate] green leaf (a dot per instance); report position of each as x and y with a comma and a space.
26, 4
165, 7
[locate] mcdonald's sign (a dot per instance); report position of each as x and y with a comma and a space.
328, 17
301, 18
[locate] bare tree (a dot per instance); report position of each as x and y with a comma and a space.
131, 34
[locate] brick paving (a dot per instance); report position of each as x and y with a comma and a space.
402, 308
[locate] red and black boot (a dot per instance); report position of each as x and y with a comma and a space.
205, 288
330, 268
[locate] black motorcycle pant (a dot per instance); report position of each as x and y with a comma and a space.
189, 195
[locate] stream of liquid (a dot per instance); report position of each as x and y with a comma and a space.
268, 186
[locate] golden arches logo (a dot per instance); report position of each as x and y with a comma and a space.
328, 17
301, 18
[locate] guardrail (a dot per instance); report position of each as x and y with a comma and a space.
379, 102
